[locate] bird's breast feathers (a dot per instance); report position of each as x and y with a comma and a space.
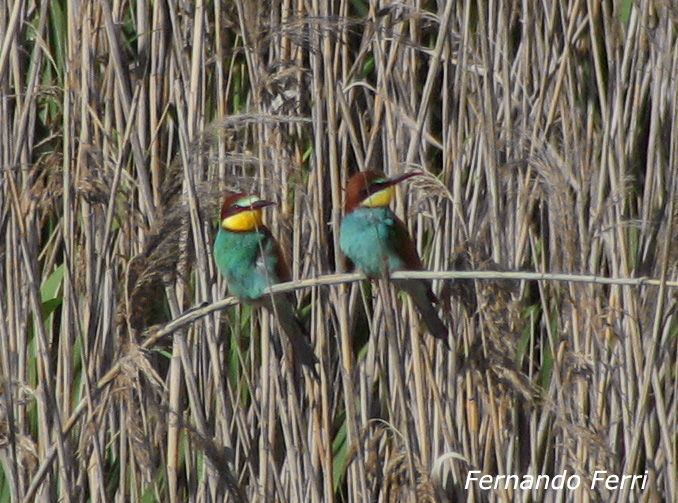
247, 261
367, 236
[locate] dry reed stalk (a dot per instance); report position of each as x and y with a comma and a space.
548, 130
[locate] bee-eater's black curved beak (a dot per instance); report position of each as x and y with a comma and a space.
261, 203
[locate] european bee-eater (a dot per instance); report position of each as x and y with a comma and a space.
377, 241
250, 259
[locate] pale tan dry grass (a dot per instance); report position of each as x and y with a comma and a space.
549, 134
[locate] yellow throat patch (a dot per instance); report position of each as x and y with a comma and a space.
380, 199
245, 220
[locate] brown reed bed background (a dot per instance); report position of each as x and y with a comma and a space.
549, 132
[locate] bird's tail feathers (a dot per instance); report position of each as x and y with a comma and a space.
423, 298
283, 310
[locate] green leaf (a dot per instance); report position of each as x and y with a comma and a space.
532, 312
625, 7
58, 36
5, 492
50, 287
368, 67
547, 359
546, 369
49, 306
48, 292
149, 494
340, 450
307, 153
361, 8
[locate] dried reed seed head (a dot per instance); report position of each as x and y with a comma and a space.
139, 387
93, 189
171, 187
371, 444
430, 187
284, 88
376, 442
497, 299
44, 191
398, 484
95, 178
154, 267
147, 303
462, 290
510, 383
28, 456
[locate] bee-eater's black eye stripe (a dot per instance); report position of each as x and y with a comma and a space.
375, 187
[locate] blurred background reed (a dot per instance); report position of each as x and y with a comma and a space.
549, 132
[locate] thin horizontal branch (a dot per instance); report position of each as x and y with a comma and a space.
335, 279
533, 276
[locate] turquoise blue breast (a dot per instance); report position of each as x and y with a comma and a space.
247, 261
366, 238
